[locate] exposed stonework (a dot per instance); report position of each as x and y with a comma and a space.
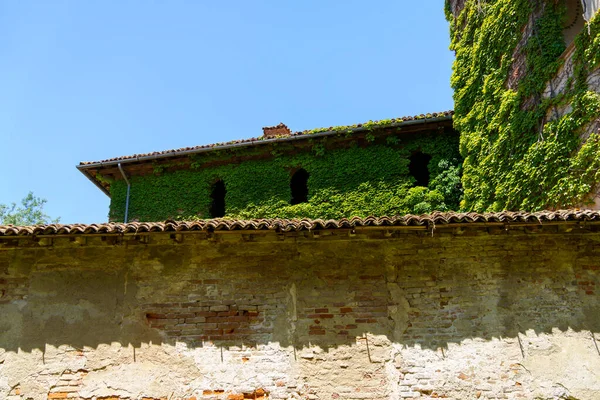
456, 6
456, 313
559, 85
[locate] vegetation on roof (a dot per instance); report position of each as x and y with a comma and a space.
346, 130
373, 124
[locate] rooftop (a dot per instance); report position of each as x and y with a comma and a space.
416, 119
98, 171
504, 219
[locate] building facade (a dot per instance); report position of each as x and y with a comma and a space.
241, 299
526, 88
390, 167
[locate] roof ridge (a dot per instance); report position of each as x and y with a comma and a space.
360, 126
287, 225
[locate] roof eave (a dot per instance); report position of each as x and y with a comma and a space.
82, 167
113, 163
95, 181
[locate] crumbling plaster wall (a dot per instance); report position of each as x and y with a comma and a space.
380, 314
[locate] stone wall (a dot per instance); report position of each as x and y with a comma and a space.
455, 313
456, 7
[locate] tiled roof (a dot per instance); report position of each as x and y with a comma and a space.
290, 225
424, 118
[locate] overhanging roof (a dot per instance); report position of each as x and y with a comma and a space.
88, 167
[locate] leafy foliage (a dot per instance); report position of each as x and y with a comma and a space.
514, 158
29, 212
355, 181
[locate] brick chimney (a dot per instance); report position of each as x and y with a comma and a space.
275, 131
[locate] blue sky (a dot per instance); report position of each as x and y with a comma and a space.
89, 80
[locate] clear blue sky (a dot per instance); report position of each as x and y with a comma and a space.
89, 80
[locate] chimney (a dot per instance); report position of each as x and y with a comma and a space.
270, 132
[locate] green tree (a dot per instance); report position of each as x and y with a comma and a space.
29, 212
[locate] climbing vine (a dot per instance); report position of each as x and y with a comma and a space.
524, 147
364, 180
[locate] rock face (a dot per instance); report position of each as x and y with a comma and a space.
458, 314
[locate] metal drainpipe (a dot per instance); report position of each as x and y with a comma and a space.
128, 188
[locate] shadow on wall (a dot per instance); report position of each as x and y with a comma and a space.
415, 289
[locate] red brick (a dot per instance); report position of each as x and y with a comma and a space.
156, 316
195, 320
226, 313
163, 321
58, 395
212, 392
238, 319
194, 304
185, 315
206, 314
311, 316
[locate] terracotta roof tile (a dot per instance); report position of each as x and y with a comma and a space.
382, 123
290, 225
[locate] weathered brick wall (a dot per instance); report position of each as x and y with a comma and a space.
457, 313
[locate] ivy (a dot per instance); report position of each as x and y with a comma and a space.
519, 154
343, 182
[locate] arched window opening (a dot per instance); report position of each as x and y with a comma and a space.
299, 187
217, 207
573, 21
418, 168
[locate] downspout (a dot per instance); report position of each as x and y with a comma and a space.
128, 189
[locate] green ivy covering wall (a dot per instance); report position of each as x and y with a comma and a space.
355, 181
515, 158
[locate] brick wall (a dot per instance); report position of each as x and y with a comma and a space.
459, 314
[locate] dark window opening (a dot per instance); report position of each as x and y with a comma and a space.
573, 21
418, 168
299, 186
217, 207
